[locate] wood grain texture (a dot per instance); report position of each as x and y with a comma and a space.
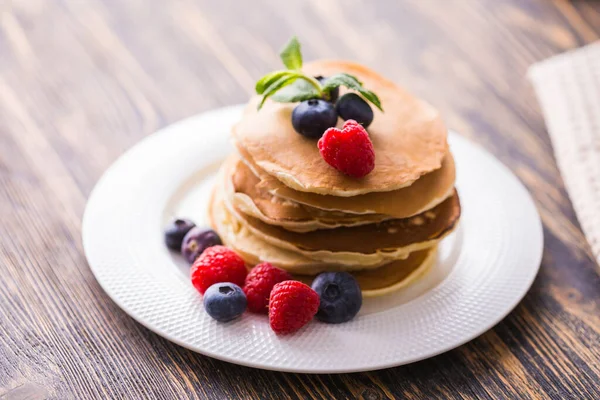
81, 81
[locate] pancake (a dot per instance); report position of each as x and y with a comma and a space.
409, 139
374, 281
254, 250
391, 277
367, 244
246, 195
427, 192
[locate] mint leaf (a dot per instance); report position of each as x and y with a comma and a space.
291, 85
372, 97
277, 85
274, 83
269, 79
300, 90
291, 55
341, 79
352, 83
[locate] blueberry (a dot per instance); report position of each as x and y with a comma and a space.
224, 301
312, 117
340, 295
176, 231
352, 106
196, 241
334, 94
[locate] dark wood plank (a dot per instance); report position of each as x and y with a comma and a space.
82, 81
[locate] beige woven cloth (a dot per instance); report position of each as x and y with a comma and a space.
568, 89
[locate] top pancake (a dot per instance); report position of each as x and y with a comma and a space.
409, 139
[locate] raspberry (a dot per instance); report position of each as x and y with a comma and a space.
348, 150
259, 283
217, 264
291, 306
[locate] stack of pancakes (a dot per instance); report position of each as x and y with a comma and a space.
278, 201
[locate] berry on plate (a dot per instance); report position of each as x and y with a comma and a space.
340, 296
312, 117
291, 306
352, 106
218, 264
196, 241
348, 150
259, 283
224, 301
176, 231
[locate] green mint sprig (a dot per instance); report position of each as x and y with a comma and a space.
291, 85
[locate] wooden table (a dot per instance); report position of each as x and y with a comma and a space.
81, 81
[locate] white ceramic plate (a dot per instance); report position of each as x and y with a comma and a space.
482, 272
